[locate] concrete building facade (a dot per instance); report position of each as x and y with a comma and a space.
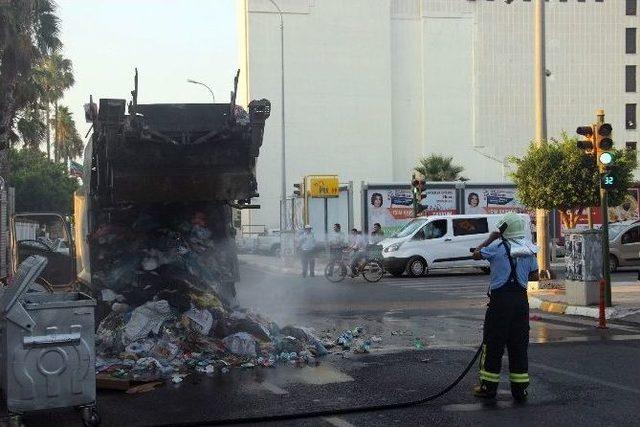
373, 85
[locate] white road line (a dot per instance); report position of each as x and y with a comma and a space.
587, 378
470, 407
338, 422
273, 388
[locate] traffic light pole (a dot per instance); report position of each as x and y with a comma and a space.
604, 212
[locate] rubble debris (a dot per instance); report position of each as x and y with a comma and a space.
144, 388
166, 310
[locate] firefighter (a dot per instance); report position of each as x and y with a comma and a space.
512, 259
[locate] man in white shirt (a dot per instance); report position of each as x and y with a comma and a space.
337, 241
307, 245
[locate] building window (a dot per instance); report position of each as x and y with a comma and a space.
630, 116
632, 7
631, 145
630, 78
630, 40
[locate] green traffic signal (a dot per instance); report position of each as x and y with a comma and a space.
606, 158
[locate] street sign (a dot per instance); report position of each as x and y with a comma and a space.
324, 186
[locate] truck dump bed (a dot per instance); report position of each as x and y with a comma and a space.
175, 152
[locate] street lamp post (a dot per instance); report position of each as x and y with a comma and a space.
542, 217
282, 154
213, 98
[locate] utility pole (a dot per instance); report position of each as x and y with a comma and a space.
283, 166
542, 216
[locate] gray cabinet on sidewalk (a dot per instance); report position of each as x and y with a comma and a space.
584, 266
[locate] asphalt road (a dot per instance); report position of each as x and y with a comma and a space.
580, 375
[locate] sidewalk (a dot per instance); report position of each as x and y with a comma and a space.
276, 265
625, 297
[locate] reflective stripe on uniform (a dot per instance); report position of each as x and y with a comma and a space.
486, 375
489, 376
519, 378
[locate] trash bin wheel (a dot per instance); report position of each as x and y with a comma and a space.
90, 417
15, 420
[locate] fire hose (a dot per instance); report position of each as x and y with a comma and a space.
336, 412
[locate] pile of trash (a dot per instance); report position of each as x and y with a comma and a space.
167, 303
351, 340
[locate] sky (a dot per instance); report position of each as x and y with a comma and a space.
169, 41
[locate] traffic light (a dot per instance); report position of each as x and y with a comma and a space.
604, 144
589, 145
418, 190
606, 158
298, 190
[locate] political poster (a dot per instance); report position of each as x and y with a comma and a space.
393, 207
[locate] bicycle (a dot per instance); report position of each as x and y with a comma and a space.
338, 268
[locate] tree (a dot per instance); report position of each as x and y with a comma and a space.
439, 168
29, 31
558, 175
31, 126
41, 184
68, 143
53, 75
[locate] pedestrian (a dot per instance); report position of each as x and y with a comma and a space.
307, 244
337, 242
512, 259
377, 235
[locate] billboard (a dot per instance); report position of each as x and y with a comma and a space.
492, 200
628, 210
392, 207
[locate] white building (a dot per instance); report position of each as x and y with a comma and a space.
373, 85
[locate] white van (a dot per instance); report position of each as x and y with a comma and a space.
438, 242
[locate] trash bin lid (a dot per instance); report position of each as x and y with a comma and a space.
28, 272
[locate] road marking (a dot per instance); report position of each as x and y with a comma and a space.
273, 388
586, 378
480, 406
338, 422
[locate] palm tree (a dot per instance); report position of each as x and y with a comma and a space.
439, 168
31, 126
68, 142
53, 75
29, 31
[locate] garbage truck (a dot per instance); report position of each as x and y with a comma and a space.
159, 185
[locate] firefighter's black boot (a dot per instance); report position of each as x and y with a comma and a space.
486, 390
519, 392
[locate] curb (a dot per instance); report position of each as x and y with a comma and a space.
574, 310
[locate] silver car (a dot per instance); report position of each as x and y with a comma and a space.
624, 244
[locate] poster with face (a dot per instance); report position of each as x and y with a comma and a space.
492, 201
392, 208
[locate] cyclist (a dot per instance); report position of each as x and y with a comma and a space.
359, 249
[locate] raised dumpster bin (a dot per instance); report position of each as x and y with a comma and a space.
47, 347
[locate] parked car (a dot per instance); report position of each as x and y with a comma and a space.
269, 242
624, 244
439, 242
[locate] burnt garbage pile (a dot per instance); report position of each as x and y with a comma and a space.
164, 277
